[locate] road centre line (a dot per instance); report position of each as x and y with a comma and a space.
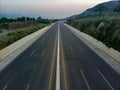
58, 63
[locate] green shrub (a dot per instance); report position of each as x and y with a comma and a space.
14, 36
104, 33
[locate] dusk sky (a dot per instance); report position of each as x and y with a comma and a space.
47, 8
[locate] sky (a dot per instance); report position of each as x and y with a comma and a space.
54, 9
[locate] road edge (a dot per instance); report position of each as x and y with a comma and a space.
7, 56
112, 60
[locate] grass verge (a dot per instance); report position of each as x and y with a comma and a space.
14, 36
105, 29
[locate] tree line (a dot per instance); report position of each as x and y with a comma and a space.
24, 19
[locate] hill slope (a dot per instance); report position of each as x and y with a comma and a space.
111, 5
104, 26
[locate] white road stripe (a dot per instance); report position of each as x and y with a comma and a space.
27, 86
85, 79
106, 80
43, 39
33, 52
43, 52
4, 87
70, 47
49, 40
80, 49
58, 64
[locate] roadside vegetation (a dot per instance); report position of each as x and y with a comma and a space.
21, 22
102, 25
105, 28
19, 28
1, 31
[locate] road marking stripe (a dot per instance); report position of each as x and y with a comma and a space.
81, 49
43, 39
27, 86
5, 87
49, 40
53, 61
70, 47
85, 79
43, 52
33, 52
106, 80
63, 64
58, 64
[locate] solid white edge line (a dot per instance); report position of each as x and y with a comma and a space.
4, 87
106, 80
85, 79
58, 64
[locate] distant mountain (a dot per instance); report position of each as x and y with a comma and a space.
111, 5
13, 15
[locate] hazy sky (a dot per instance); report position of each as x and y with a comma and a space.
47, 8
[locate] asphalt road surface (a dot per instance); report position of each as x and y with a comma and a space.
59, 60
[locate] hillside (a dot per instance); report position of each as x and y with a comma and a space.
104, 26
10, 15
111, 5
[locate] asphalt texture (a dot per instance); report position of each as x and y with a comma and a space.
80, 67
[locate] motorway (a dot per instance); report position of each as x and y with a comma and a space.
59, 60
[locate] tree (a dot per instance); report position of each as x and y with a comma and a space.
3, 20
39, 19
100, 8
28, 19
12, 20
21, 19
